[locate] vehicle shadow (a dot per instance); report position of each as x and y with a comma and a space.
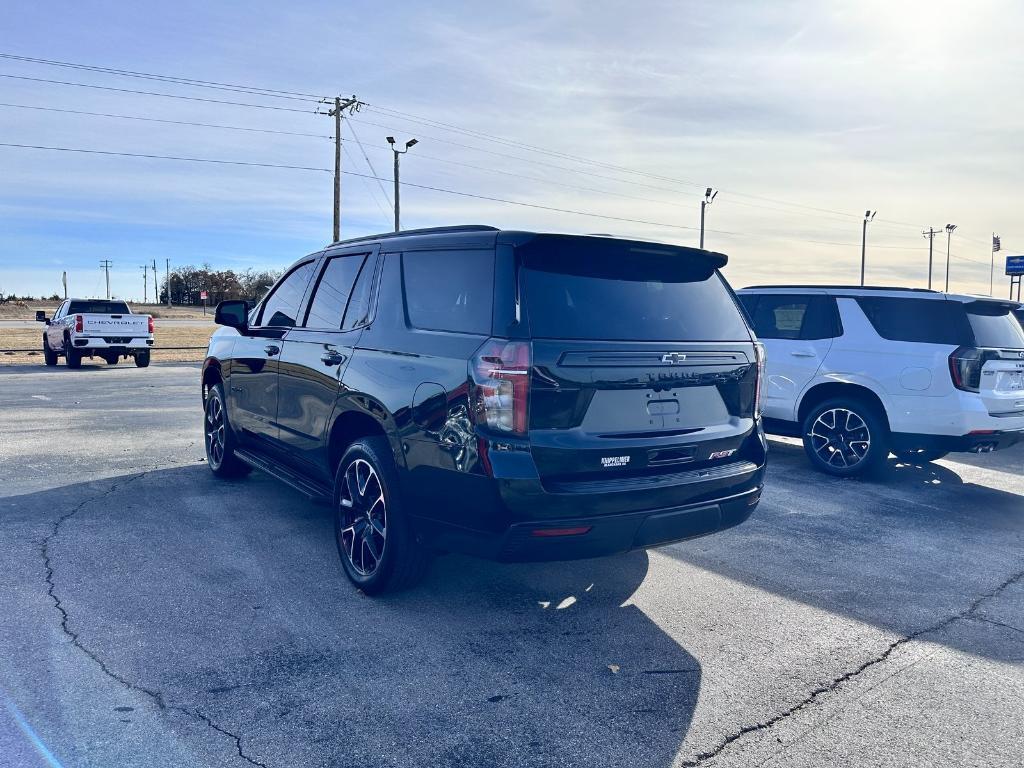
902, 550
236, 606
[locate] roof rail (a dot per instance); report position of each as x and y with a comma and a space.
845, 287
425, 231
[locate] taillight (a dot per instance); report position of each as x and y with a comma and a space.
78, 323
500, 391
965, 366
760, 356
150, 324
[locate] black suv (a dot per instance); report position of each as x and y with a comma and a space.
513, 395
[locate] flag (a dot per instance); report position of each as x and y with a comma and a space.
996, 245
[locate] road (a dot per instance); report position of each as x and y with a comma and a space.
151, 615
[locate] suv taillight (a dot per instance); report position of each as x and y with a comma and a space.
151, 324
500, 385
78, 323
965, 366
759, 355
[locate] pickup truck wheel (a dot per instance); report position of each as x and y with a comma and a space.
845, 437
375, 537
49, 356
72, 357
219, 438
142, 359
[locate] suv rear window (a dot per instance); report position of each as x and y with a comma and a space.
994, 326
449, 290
98, 308
927, 321
575, 289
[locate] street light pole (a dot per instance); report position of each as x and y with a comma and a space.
949, 237
868, 216
708, 199
410, 143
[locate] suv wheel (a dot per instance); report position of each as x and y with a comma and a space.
845, 437
220, 440
72, 357
375, 539
49, 356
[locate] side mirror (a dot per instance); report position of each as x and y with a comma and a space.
233, 314
41, 317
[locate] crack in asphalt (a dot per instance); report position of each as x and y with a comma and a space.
815, 694
155, 696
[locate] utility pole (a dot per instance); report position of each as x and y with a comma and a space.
868, 216
167, 281
949, 236
107, 264
145, 285
410, 143
996, 245
156, 285
930, 234
340, 105
708, 199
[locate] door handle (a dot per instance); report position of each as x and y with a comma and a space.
332, 357
802, 354
271, 349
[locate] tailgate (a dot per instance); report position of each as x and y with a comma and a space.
632, 408
1002, 383
115, 325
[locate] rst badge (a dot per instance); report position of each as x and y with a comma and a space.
614, 461
721, 454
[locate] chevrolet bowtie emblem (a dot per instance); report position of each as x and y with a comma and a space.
673, 358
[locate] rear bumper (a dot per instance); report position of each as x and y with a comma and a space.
112, 344
981, 442
515, 516
611, 534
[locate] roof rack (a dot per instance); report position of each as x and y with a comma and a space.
424, 231
846, 287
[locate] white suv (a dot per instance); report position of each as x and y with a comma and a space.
859, 372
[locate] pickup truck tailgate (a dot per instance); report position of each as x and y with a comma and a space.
115, 325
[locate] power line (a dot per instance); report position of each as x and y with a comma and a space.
255, 90
163, 157
459, 193
154, 93
161, 120
370, 189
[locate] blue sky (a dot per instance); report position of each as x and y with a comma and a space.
804, 114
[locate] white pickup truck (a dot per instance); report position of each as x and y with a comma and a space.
96, 327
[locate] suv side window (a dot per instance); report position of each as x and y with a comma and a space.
792, 316
780, 316
928, 321
333, 291
282, 306
449, 290
360, 302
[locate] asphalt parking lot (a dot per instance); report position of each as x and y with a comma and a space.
151, 615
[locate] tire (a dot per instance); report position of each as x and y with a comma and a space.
920, 455
112, 359
49, 356
142, 359
376, 541
845, 437
72, 357
219, 438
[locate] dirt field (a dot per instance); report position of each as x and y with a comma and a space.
171, 336
27, 310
